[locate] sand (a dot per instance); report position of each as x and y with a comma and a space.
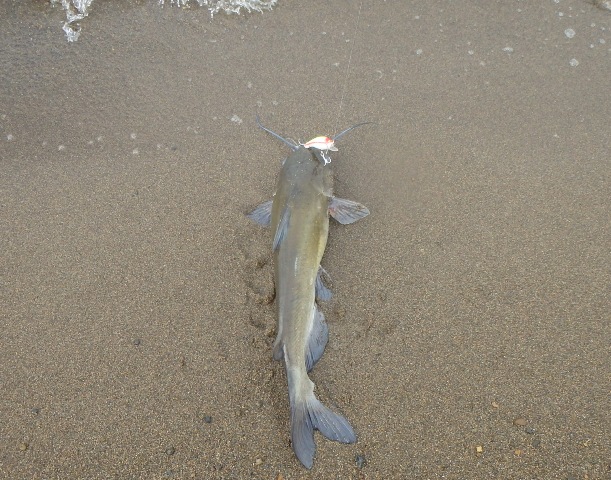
469, 329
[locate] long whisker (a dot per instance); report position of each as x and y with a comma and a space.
292, 145
348, 129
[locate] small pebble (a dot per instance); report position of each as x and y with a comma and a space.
258, 461
360, 461
520, 422
536, 442
137, 342
479, 449
208, 419
35, 411
170, 451
529, 430
23, 446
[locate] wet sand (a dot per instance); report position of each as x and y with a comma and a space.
469, 329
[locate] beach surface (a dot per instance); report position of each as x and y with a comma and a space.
469, 328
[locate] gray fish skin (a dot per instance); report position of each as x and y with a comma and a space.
299, 217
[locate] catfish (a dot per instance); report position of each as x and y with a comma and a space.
299, 219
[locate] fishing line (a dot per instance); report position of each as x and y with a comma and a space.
347, 76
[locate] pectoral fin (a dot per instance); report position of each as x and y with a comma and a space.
262, 214
346, 211
283, 226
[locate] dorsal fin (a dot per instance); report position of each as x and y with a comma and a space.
283, 225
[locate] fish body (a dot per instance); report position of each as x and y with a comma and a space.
299, 218
301, 221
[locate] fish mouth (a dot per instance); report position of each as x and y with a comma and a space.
322, 156
320, 146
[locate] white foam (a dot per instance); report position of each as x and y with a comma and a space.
77, 10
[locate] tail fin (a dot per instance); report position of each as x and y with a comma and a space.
310, 414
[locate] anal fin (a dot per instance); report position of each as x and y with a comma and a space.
322, 292
318, 339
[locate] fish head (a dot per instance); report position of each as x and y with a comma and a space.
306, 167
304, 159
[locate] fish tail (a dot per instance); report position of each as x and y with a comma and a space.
309, 414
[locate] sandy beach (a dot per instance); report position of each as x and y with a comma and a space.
469, 328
